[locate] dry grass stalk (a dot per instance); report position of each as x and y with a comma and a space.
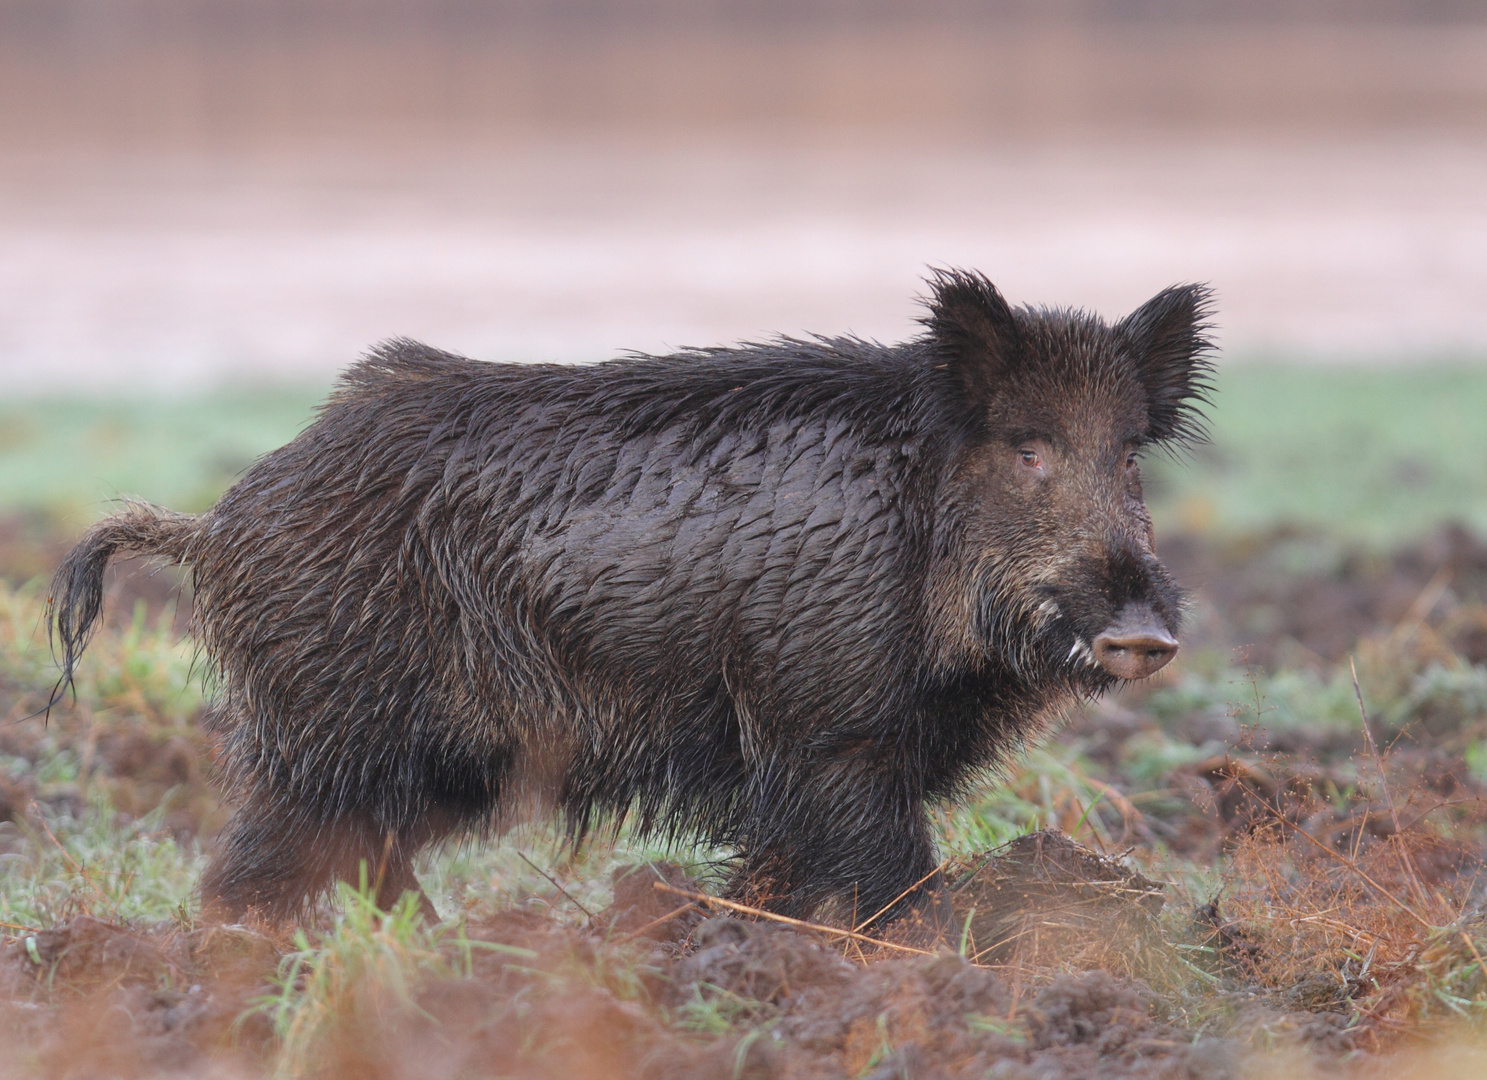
1326, 849
648, 927
554, 883
799, 924
1325, 930
857, 926
1373, 751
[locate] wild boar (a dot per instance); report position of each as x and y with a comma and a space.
779, 597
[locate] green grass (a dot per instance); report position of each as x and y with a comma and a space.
363, 972
1372, 453
94, 862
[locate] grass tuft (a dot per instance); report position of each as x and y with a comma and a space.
98, 863
363, 975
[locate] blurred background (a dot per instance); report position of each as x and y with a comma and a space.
209, 207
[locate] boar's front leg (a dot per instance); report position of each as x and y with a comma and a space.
844, 840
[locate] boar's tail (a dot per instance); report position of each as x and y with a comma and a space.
76, 598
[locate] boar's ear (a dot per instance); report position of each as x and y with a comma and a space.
973, 328
1168, 339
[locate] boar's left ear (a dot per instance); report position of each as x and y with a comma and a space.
974, 329
1168, 339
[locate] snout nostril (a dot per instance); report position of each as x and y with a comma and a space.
1136, 644
1141, 645
1134, 656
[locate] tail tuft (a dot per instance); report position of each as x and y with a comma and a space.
76, 598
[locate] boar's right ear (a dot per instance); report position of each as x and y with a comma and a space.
973, 328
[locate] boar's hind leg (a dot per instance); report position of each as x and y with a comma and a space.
276, 863
843, 844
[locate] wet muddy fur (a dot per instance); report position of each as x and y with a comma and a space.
778, 596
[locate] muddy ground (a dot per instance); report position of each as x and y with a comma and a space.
1339, 926
90, 997
631, 993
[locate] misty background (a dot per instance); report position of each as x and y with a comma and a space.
206, 192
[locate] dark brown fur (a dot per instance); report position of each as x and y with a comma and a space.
779, 596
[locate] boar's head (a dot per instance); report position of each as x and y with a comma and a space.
1055, 546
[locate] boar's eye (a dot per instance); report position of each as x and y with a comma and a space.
1131, 460
1030, 457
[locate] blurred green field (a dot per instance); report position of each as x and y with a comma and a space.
68, 457
1373, 454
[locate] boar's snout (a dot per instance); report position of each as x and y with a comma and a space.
1135, 645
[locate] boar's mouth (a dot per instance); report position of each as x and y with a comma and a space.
1136, 645
1099, 642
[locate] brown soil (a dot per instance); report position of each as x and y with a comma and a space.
721, 997
87, 995
1294, 598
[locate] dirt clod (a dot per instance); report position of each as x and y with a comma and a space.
1045, 902
758, 962
1090, 1007
642, 910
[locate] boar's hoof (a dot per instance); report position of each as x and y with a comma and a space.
1136, 644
